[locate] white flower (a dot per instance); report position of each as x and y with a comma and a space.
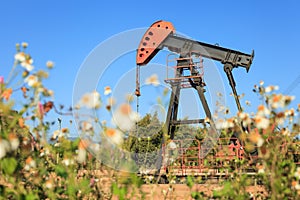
86, 126
297, 173
14, 141
263, 110
29, 163
4, 147
245, 118
20, 57
261, 122
66, 161
285, 131
90, 100
115, 135
256, 138
55, 134
49, 64
31, 80
125, 118
150, 178
49, 184
261, 83
24, 45
152, 80
260, 142
290, 112
297, 186
172, 145
261, 168
271, 88
27, 64
223, 124
280, 101
107, 90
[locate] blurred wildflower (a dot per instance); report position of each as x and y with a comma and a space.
261, 168
103, 122
172, 145
115, 135
279, 100
6, 94
55, 134
86, 126
31, 80
49, 64
245, 118
50, 93
27, 64
29, 163
129, 98
290, 112
296, 185
223, 124
285, 131
14, 141
44, 151
280, 118
152, 80
248, 103
67, 161
65, 130
297, 173
24, 45
125, 118
206, 120
20, 57
261, 83
4, 147
263, 110
261, 122
107, 90
1, 80
271, 88
256, 138
49, 184
90, 100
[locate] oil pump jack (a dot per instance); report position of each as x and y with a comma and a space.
161, 34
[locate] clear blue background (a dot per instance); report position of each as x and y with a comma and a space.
67, 31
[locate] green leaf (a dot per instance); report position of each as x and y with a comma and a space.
9, 165
31, 197
190, 182
61, 171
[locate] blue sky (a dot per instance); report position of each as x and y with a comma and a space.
67, 31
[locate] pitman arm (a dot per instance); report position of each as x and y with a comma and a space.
162, 34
